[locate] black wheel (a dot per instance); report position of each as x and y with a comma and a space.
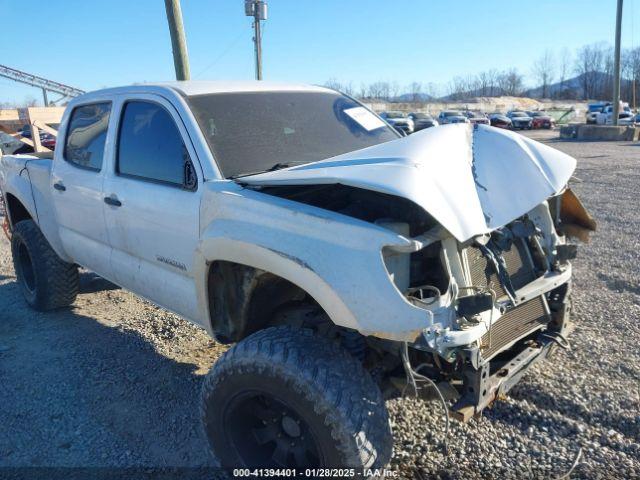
285, 397
46, 280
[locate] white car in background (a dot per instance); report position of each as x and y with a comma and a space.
593, 109
605, 117
399, 120
452, 116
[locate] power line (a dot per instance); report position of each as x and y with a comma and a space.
224, 52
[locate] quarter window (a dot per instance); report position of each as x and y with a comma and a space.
86, 135
150, 145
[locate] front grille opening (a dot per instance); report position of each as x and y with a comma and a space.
517, 323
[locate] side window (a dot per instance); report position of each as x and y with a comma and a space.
150, 146
86, 134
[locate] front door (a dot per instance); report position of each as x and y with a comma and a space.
152, 206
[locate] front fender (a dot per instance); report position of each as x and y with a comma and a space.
336, 259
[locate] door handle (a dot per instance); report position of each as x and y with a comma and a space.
59, 186
114, 202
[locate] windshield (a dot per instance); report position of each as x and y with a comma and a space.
518, 114
452, 114
421, 116
252, 132
395, 114
595, 108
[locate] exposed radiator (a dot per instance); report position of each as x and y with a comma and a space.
518, 262
515, 324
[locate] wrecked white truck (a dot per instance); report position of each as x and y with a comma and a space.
346, 264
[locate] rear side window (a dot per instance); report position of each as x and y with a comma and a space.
86, 135
150, 146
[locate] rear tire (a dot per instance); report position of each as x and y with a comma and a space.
285, 397
47, 282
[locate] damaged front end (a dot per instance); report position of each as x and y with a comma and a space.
484, 218
510, 304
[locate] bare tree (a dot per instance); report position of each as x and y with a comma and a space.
394, 90
415, 90
631, 75
511, 82
589, 65
543, 72
363, 91
334, 84
348, 89
377, 90
564, 68
30, 101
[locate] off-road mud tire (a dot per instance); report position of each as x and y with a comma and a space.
51, 283
326, 387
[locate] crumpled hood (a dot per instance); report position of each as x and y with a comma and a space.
471, 180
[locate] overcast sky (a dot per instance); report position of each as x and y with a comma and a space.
97, 43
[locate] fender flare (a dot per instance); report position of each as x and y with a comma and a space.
272, 261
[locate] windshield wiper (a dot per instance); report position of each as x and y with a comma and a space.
273, 168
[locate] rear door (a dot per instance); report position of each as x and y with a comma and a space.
77, 176
152, 204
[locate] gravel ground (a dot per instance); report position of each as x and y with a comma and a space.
114, 382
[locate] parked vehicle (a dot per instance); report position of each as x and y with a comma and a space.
452, 116
26, 131
592, 111
605, 117
422, 121
398, 120
48, 140
542, 120
520, 120
342, 260
499, 120
477, 117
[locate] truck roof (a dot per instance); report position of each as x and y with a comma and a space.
202, 87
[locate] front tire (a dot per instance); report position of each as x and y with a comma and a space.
47, 282
285, 397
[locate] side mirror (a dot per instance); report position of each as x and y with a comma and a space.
190, 181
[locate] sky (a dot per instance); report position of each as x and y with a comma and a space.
101, 43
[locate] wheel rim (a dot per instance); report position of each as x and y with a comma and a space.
25, 264
266, 432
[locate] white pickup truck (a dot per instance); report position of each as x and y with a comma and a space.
346, 263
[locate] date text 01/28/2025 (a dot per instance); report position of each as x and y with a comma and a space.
315, 473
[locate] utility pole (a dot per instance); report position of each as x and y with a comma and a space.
258, 10
616, 67
178, 40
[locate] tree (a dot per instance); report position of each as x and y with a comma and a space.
589, 64
334, 84
564, 67
511, 82
415, 90
363, 91
543, 71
